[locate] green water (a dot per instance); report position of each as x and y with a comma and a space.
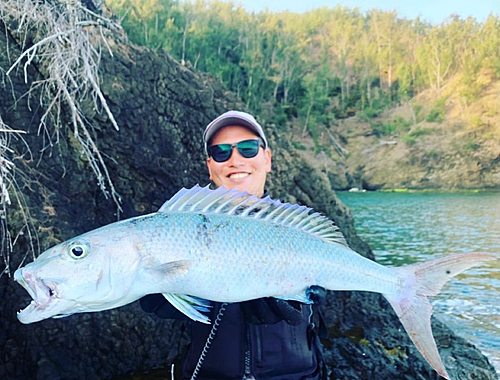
403, 228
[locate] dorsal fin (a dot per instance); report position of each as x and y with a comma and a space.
224, 201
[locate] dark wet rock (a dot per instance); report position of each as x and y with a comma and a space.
162, 108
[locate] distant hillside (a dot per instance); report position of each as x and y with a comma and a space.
424, 144
373, 99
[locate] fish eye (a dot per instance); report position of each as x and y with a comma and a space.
78, 250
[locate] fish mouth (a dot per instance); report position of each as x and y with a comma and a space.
44, 294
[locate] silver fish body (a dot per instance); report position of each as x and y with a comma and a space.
237, 260
223, 245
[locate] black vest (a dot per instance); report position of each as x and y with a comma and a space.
242, 350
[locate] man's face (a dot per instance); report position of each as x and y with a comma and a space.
244, 174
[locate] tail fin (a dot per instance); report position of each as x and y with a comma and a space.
414, 309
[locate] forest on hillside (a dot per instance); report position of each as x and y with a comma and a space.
322, 65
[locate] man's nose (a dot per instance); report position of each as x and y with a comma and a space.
236, 158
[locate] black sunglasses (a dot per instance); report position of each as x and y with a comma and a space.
222, 152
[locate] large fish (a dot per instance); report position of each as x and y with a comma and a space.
227, 246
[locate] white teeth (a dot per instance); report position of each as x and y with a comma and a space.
238, 175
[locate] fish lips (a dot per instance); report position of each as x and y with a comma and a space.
45, 303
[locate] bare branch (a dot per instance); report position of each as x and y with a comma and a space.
66, 39
8, 187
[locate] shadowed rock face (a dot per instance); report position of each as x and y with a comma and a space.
162, 108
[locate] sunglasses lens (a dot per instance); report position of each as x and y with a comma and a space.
248, 148
221, 152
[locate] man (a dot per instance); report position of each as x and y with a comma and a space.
260, 339
237, 171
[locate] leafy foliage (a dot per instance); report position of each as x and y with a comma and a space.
322, 65
397, 125
436, 115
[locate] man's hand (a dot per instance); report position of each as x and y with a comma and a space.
268, 311
156, 303
317, 294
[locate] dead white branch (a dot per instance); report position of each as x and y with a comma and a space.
339, 148
66, 48
8, 187
64, 40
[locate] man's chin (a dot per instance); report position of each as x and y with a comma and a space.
241, 184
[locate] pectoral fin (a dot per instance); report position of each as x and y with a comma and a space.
179, 267
170, 271
190, 306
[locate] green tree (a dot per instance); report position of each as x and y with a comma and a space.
435, 58
318, 65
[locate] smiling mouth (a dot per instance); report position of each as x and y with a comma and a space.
238, 175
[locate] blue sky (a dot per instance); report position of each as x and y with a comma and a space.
434, 11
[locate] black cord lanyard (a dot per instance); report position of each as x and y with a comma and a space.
210, 338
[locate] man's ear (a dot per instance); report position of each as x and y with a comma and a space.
209, 159
269, 157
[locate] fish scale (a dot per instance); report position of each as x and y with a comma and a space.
285, 259
223, 245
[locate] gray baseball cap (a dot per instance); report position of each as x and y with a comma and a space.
233, 118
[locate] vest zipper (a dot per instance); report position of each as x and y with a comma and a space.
247, 375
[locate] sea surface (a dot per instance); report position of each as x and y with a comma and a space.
403, 228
